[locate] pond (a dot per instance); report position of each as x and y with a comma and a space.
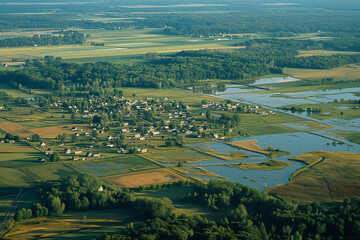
248, 95
275, 80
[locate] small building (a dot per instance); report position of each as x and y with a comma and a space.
78, 152
42, 144
88, 154
42, 159
75, 158
67, 151
74, 129
48, 152
101, 189
96, 155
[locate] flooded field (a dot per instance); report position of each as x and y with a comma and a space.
296, 143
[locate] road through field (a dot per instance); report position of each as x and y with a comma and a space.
13, 207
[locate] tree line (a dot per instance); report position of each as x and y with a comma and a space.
62, 37
249, 214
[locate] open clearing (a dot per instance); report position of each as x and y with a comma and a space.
145, 178
176, 194
329, 176
73, 225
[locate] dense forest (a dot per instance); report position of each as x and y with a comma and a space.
248, 214
57, 38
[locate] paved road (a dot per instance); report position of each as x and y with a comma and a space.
13, 207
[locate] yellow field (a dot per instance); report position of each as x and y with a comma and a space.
72, 225
15, 129
145, 178
321, 53
51, 132
349, 72
249, 145
330, 176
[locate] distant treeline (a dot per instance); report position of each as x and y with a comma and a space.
275, 24
62, 37
281, 25
257, 59
62, 21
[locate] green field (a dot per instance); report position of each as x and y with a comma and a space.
179, 156
342, 109
29, 175
5, 202
174, 94
352, 136
115, 165
120, 46
19, 166
17, 152
14, 92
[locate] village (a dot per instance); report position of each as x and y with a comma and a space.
101, 125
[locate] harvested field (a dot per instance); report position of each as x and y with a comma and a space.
51, 132
15, 129
249, 145
145, 178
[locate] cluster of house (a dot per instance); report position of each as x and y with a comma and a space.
236, 107
3, 141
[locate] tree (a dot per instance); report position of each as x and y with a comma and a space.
62, 137
9, 136
74, 138
35, 138
54, 205
153, 208
55, 157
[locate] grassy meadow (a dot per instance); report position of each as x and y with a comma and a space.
329, 176
176, 194
73, 225
349, 72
